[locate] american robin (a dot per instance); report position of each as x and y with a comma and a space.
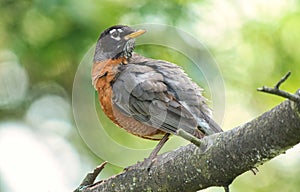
148, 98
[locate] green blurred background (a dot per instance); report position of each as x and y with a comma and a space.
42, 43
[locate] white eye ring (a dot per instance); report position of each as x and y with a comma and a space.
114, 34
111, 31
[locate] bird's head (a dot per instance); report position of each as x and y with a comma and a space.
115, 42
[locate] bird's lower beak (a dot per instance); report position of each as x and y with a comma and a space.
135, 34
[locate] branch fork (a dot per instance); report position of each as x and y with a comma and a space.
276, 91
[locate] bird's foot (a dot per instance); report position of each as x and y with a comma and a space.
147, 163
144, 165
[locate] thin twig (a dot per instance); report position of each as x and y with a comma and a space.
276, 91
282, 80
189, 137
90, 177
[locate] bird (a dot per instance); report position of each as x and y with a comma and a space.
149, 98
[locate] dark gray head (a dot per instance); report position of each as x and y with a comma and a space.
115, 42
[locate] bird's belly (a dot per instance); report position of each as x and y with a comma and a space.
135, 127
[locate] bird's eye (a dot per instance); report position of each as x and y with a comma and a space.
114, 34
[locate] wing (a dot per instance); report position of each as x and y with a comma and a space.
188, 93
140, 92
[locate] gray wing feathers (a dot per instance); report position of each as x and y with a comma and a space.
141, 93
160, 94
189, 95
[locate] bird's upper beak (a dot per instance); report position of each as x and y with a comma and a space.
135, 34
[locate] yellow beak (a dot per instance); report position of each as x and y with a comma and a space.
135, 34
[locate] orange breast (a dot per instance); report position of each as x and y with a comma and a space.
105, 94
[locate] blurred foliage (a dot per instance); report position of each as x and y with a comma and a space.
49, 39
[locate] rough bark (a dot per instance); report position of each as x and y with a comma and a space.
219, 160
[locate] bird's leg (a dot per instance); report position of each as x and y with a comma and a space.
226, 188
158, 147
148, 161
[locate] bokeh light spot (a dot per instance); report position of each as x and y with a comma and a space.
13, 81
50, 113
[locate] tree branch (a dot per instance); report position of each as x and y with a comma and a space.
219, 159
225, 156
277, 91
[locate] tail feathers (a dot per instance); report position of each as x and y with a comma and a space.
208, 126
214, 125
